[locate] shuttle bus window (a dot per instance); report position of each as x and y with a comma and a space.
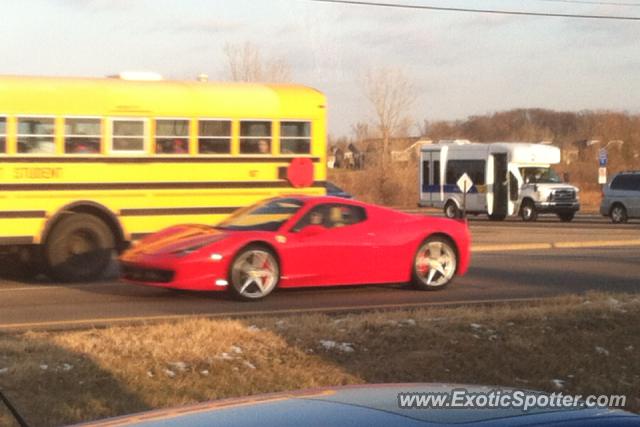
3, 135
214, 136
474, 168
35, 135
295, 137
436, 172
255, 137
172, 136
128, 135
425, 174
82, 135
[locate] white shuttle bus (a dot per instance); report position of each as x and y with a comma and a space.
508, 179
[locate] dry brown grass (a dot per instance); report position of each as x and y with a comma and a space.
589, 342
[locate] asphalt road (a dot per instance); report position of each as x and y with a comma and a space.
496, 275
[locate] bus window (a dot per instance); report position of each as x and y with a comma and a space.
35, 135
82, 136
295, 137
436, 172
172, 136
474, 168
214, 136
255, 137
3, 135
127, 135
425, 174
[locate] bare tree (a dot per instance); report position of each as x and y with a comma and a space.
245, 63
391, 95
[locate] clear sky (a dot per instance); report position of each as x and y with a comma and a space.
461, 64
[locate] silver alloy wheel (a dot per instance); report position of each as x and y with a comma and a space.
254, 273
435, 263
618, 214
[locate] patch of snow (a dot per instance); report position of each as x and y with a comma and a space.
409, 322
4, 370
629, 348
180, 366
44, 367
558, 383
602, 350
249, 364
223, 356
169, 373
67, 367
204, 372
253, 328
333, 345
475, 326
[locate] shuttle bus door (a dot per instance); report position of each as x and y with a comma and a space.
500, 185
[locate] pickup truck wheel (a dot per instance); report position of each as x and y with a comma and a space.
528, 211
566, 216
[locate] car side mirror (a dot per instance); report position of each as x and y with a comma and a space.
311, 230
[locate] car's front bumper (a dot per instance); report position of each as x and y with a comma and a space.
197, 274
557, 207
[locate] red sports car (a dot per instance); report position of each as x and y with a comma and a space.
302, 241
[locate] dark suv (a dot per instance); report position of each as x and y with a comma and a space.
621, 198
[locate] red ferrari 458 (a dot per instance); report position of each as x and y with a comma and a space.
302, 241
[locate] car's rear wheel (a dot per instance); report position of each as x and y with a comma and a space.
619, 214
435, 264
451, 210
254, 274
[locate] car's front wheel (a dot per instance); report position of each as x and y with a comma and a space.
254, 274
434, 264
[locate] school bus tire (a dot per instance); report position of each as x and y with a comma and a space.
79, 247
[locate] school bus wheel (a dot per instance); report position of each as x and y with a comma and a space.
79, 247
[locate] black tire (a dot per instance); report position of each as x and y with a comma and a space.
419, 277
79, 247
494, 217
451, 210
618, 214
566, 216
238, 276
25, 264
528, 211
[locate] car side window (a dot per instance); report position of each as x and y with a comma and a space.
331, 216
343, 215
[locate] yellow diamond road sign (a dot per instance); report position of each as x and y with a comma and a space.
464, 183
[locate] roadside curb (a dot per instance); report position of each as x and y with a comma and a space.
554, 245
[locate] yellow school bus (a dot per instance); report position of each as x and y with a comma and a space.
88, 165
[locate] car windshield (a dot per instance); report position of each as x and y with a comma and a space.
540, 176
265, 216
